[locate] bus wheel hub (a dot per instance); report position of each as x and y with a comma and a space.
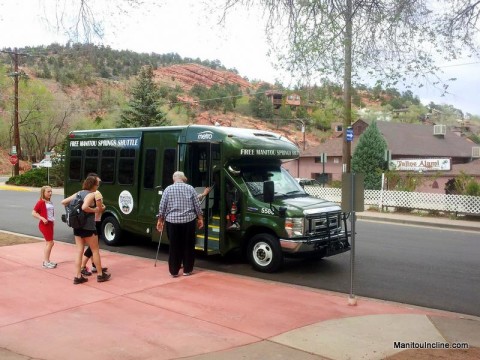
263, 253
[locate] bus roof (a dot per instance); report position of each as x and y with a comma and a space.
239, 142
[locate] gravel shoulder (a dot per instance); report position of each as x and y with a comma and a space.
7, 239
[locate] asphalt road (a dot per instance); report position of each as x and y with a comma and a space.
424, 266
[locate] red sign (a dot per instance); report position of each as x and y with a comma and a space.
13, 159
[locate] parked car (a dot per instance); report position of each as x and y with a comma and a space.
310, 182
43, 163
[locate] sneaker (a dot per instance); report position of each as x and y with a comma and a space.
94, 269
54, 263
79, 280
234, 226
187, 274
49, 265
174, 276
85, 271
104, 277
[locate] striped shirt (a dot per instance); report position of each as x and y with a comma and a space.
179, 204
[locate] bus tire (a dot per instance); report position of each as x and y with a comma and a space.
265, 253
111, 230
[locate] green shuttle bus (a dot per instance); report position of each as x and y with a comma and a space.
254, 206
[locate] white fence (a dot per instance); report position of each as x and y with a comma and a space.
404, 199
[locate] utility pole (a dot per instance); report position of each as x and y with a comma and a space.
16, 130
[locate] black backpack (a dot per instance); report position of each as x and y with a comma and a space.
75, 217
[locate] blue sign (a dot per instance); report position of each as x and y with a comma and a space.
349, 134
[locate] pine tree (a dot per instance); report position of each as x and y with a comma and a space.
368, 157
260, 105
144, 107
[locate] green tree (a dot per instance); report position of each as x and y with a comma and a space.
43, 121
144, 107
285, 112
368, 157
329, 112
217, 97
260, 105
301, 112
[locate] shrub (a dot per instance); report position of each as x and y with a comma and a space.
39, 177
472, 188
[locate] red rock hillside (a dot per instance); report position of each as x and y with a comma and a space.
188, 75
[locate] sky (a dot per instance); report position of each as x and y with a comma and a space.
186, 28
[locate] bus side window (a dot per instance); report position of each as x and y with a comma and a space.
168, 167
91, 162
74, 171
127, 165
107, 168
150, 162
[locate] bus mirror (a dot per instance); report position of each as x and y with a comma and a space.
268, 191
233, 171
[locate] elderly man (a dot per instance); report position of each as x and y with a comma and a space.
178, 210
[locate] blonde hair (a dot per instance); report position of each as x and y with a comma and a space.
43, 190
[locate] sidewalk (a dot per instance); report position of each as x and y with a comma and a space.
438, 222
143, 313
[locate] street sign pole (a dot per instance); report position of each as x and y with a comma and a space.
352, 201
352, 300
13, 160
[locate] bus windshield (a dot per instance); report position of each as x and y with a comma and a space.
285, 184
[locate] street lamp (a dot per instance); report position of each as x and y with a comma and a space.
303, 122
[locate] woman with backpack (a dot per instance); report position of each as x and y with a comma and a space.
87, 234
87, 255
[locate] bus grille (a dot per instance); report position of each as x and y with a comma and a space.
323, 225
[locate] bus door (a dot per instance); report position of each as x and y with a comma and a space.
202, 168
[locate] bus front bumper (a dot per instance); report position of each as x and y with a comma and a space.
329, 246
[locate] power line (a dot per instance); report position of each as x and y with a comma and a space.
464, 64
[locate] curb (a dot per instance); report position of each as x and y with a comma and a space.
424, 222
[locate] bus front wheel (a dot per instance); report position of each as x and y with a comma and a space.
111, 231
265, 253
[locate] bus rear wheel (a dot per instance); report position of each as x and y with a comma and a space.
265, 253
111, 231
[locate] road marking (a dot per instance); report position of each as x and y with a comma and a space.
14, 188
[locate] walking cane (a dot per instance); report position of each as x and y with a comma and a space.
159, 242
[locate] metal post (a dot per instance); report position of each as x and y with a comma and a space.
352, 299
324, 159
323, 174
303, 131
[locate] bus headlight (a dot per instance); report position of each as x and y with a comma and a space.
294, 227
